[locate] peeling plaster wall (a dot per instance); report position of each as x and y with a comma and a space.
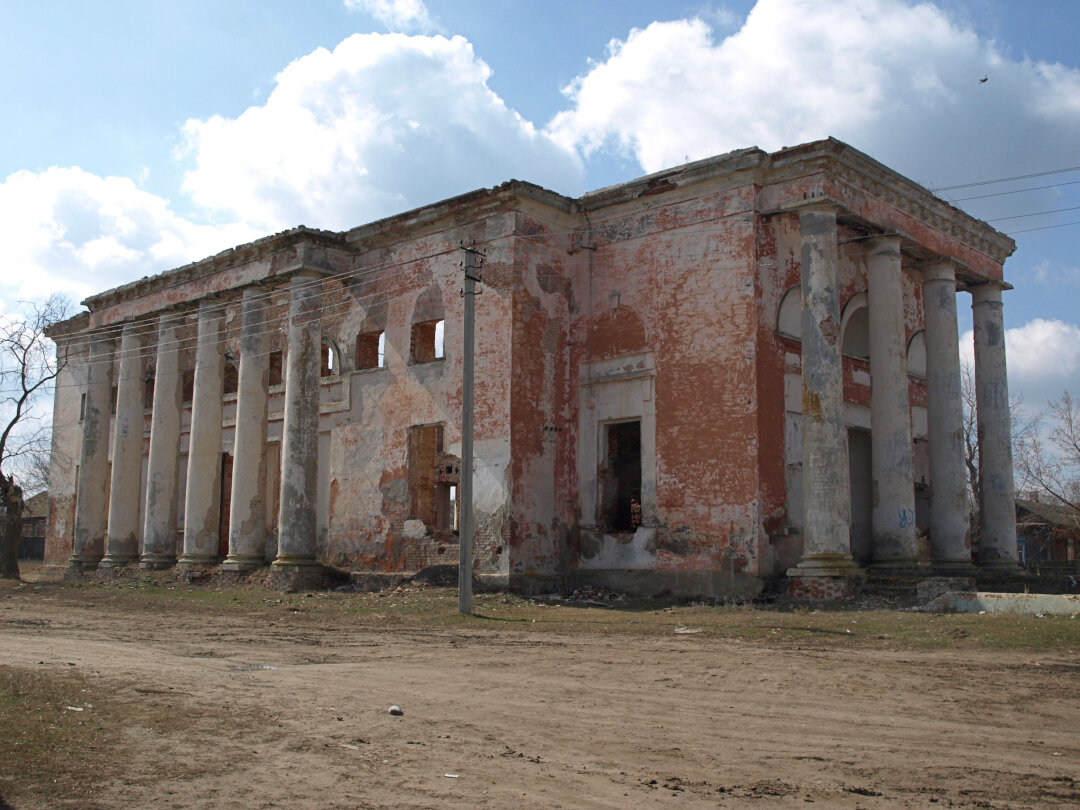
66, 446
543, 422
654, 301
370, 523
674, 274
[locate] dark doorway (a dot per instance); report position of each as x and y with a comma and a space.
622, 477
862, 495
226, 503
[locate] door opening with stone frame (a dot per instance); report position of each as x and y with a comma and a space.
617, 463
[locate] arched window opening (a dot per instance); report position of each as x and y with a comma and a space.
331, 359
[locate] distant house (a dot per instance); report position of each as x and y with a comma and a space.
35, 516
1046, 532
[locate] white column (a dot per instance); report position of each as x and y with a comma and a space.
90, 511
247, 515
122, 544
300, 439
202, 503
997, 500
945, 419
893, 513
162, 475
826, 491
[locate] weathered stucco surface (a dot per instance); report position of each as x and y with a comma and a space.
639, 398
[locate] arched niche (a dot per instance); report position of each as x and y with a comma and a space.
855, 328
916, 355
789, 314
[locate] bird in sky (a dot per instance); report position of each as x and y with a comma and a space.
984, 80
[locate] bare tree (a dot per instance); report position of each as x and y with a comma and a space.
1051, 463
28, 370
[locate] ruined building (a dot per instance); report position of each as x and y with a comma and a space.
735, 369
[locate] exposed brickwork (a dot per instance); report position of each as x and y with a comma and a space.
823, 589
667, 290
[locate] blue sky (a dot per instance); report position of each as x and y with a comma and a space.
139, 135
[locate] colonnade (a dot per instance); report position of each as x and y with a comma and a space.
108, 534
826, 485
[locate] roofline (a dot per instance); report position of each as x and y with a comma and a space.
240, 254
843, 161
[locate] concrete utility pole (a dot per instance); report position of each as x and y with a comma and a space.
474, 260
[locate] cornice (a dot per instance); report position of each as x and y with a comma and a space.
260, 249
858, 170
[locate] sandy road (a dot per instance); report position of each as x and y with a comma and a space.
289, 710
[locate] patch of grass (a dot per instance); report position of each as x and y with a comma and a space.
422, 607
55, 736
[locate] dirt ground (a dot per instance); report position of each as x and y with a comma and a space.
162, 695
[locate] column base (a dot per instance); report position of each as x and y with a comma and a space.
295, 563
80, 566
198, 561
895, 569
118, 560
81, 563
291, 573
825, 576
1000, 567
242, 562
953, 568
157, 562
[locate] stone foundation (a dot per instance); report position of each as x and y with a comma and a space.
824, 588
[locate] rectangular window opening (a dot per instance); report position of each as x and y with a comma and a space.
275, 369
371, 350
427, 341
446, 515
188, 382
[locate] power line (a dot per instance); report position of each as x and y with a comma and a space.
148, 325
1016, 191
1044, 227
1010, 179
1036, 214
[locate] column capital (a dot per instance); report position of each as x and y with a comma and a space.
943, 269
309, 259
822, 209
988, 292
211, 306
885, 243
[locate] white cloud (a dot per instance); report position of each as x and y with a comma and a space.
892, 78
1043, 359
71, 231
381, 124
1055, 274
397, 15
